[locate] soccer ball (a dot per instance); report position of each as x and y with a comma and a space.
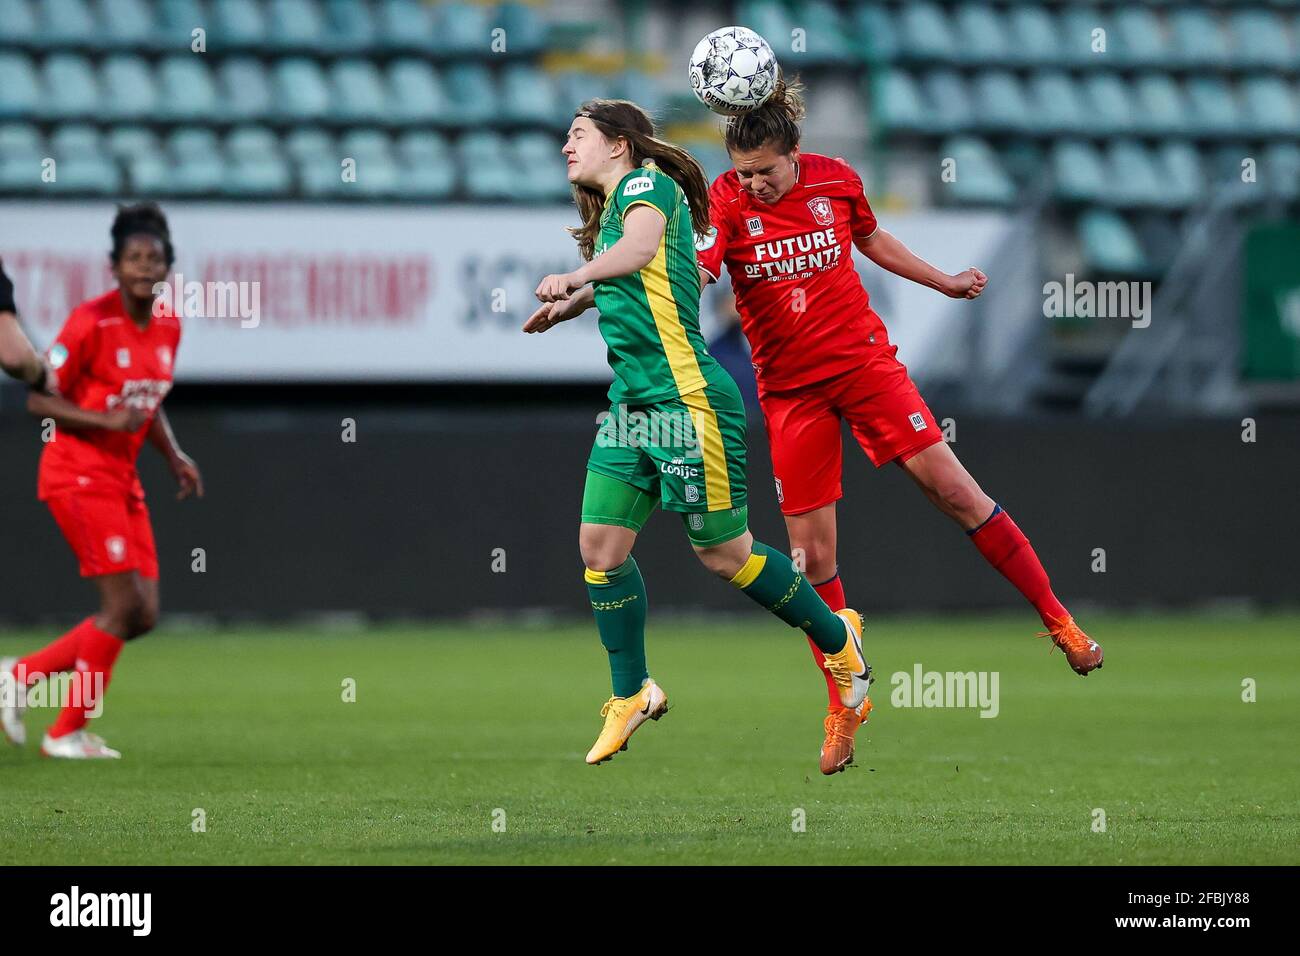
733, 71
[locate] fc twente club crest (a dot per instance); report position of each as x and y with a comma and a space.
821, 210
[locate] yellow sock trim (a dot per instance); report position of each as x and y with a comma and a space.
595, 577
749, 571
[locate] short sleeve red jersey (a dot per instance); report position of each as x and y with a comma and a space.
103, 361
801, 302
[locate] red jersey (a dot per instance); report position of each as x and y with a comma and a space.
103, 361
801, 302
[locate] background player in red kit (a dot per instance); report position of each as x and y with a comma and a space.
17, 357
112, 366
786, 225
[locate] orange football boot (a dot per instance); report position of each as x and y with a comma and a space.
1081, 651
841, 724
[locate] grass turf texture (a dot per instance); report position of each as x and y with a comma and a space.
452, 723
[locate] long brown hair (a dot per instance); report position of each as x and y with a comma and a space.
615, 118
775, 122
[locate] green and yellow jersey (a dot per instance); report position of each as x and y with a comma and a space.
650, 320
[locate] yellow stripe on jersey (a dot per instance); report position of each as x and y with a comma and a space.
717, 482
672, 334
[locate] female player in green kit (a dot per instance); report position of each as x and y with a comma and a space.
642, 201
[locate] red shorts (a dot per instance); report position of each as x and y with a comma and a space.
885, 411
109, 533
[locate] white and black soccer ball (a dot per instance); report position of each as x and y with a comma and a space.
733, 71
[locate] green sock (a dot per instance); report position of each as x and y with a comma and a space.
770, 579
618, 602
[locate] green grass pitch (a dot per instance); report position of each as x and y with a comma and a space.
457, 727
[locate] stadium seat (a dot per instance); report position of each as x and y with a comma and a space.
1260, 39
471, 97
83, 166
525, 31
949, 102
425, 164
1141, 38
300, 90
1268, 108
897, 104
237, 25
979, 178
127, 24
70, 87
255, 166
527, 95
177, 19
21, 153
1133, 179
826, 34
1034, 36
1078, 171
295, 25
1001, 104
199, 164
416, 93
67, 23
1159, 238
572, 88
318, 161
539, 153
487, 170
1058, 105
18, 25
1077, 26
983, 35
245, 91
1280, 170
1161, 107
925, 34
20, 91
1179, 170
357, 91
1109, 245
349, 26
1213, 108
1111, 107
130, 91
769, 18
1198, 39
407, 25
877, 35
138, 151
189, 91
463, 28
376, 169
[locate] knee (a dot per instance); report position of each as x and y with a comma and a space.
146, 618
132, 617
961, 499
718, 561
816, 556
600, 551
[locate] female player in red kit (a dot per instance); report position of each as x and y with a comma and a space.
786, 225
112, 367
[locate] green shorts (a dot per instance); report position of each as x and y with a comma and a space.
687, 452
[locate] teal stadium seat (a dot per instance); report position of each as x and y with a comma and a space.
925, 33
471, 97
21, 153
1268, 107
296, 25
1078, 172
244, 88
898, 104
71, 90
1058, 105
350, 26
1109, 245
1199, 39
83, 164
768, 18
189, 93
464, 29
1035, 36
1180, 173
1214, 110
539, 154
980, 179
983, 35
1077, 25
877, 34
377, 173
416, 94
574, 87
641, 88
1142, 39
407, 25
128, 142
18, 24
357, 92
949, 102
1134, 180
1111, 105
426, 167
1161, 107
255, 166
1001, 103
826, 33
20, 90
138, 151
1260, 39
127, 24
299, 89
199, 165
237, 25
176, 22
525, 29
486, 169
317, 160
527, 95
67, 23
1280, 170
130, 91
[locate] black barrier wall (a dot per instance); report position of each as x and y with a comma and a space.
407, 519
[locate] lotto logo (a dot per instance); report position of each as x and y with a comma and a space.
755, 226
917, 420
116, 547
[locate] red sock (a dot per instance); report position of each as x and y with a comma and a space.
832, 592
59, 655
1006, 548
94, 666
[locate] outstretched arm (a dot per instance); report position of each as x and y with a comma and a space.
643, 230
888, 252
